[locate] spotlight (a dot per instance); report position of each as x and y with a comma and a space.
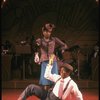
3, 3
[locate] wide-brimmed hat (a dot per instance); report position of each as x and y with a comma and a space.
48, 27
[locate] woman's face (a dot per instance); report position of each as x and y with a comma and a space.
46, 34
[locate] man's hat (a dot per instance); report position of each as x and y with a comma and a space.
48, 27
67, 66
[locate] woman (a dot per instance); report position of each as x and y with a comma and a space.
47, 45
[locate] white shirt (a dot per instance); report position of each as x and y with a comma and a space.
72, 90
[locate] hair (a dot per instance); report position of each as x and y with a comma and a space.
48, 27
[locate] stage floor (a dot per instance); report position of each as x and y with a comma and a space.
13, 94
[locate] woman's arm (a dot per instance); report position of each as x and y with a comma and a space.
61, 44
36, 49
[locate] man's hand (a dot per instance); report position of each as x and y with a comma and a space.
51, 59
49, 67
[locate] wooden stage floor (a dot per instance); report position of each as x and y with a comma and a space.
13, 88
13, 94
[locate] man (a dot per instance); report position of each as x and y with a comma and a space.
64, 89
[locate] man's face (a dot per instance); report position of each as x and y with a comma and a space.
64, 73
46, 34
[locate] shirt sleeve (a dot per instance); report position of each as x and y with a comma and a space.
48, 75
72, 92
76, 92
37, 45
61, 43
38, 41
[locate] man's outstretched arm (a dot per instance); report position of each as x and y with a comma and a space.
48, 75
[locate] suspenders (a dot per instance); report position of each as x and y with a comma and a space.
56, 82
66, 85
63, 90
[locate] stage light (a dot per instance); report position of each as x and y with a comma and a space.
3, 3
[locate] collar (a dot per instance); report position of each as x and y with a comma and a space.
67, 78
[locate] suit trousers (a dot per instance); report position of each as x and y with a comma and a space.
39, 92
